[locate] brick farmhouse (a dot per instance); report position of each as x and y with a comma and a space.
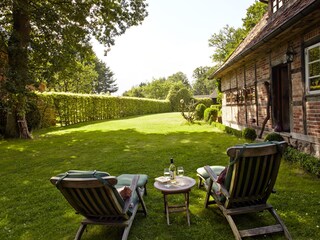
271, 82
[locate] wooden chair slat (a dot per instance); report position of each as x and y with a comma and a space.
99, 202
253, 170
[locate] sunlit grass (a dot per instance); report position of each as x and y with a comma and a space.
31, 208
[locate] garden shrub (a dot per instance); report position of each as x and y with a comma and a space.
217, 106
274, 137
233, 131
199, 111
249, 134
175, 95
206, 101
306, 161
211, 115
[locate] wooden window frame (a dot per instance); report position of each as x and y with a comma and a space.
307, 72
276, 5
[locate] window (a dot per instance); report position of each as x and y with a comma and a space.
276, 4
313, 68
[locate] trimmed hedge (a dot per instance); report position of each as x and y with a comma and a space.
306, 161
68, 108
206, 101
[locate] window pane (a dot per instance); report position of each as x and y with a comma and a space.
280, 3
314, 54
314, 69
274, 3
315, 84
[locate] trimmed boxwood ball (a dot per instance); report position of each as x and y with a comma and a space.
211, 115
274, 137
249, 134
200, 108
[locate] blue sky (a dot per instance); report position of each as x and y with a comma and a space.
174, 37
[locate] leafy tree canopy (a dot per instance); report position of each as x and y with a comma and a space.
45, 37
202, 85
228, 38
159, 88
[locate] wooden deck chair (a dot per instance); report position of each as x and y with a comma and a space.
249, 181
94, 196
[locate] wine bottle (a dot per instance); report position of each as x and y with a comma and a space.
172, 170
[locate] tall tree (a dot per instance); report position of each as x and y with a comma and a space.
228, 38
202, 85
180, 77
159, 88
49, 33
105, 82
225, 42
254, 13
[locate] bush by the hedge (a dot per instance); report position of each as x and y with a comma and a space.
233, 131
206, 101
199, 111
249, 134
211, 114
306, 161
274, 137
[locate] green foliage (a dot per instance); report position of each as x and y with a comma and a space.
80, 78
49, 41
206, 101
179, 77
228, 38
202, 85
274, 137
233, 131
225, 42
211, 114
159, 88
249, 134
199, 111
75, 108
176, 93
306, 161
105, 82
254, 13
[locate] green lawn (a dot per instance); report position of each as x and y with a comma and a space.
31, 208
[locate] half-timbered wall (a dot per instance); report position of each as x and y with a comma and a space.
245, 97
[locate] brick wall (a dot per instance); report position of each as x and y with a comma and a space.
305, 110
313, 118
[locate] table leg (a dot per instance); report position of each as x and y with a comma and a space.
186, 198
166, 207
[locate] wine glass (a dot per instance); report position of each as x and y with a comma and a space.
166, 173
180, 171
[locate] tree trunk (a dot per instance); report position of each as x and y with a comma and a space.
18, 78
11, 126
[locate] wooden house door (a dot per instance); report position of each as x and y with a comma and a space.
280, 99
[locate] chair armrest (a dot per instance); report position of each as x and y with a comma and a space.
214, 178
133, 187
211, 173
